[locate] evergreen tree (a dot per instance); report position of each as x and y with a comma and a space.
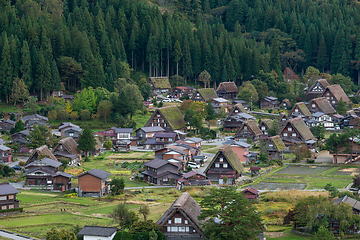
19, 92
86, 141
6, 70
25, 68
274, 62
341, 107
187, 64
338, 52
322, 58
177, 55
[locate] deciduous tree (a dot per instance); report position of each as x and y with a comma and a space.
19, 91
86, 141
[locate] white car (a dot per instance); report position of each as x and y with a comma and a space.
193, 165
166, 100
177, 100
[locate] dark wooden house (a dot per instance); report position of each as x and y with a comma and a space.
248, 129
192, 178
255, 171
94, 183
321, 104
317, 89
21, 139
145, 133
160, 85
45, 172
180, 221
159, 140
161, 172
236, 117
300, 110
5, 154
295, 132
6, 125
204, 95
225, 163
227, 90
251, 193
268, 103
285, 104
169, 118
67, 148
265, 125
34, 119
8, 199
183, 91
283, 118
276, 147
334, 93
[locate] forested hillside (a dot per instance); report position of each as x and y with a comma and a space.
91, 43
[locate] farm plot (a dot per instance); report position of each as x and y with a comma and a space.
305, 177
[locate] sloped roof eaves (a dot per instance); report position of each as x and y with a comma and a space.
302, 129
99, 173
230, 156
160, 82
151, 129
46, 161
304, 110
24, 119
324, 105
156, 163
254, 127
279, 144
338, 93
174, 117
98, 231
229, 87
207, 93
241, 107
267, 122
6, 188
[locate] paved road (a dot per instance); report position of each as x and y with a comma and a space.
14, 236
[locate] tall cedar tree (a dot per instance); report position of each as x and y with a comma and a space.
238, 217
86, 141
6, 69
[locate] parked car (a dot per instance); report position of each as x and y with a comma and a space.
177, 100
17, 167
166, 100
198, 158
193, 165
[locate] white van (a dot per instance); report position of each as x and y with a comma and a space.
193, 165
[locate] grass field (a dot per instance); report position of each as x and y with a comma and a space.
306, 177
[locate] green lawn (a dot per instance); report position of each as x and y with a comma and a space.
6, 108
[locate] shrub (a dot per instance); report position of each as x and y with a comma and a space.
310, 161
63, 114
74, 115
71, 195
52, 115
85, 115
22, 163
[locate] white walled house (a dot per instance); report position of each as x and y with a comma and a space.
323, 119
98, 233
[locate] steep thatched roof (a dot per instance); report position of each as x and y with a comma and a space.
207, 93
278, 143
240, 107
70, 145
39, 153
338, 93
173, 116
228, 87
267, 122
188, 207
324, 105
230, 156
300, 126
160, 82
303, 109
254, 127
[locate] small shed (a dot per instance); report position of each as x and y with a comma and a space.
251, 193
98, 232
255, 170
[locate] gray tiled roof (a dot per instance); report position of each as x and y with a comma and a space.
24, 119
6, 188
46, 161
97, 173
156, 163
98, 231
152, 129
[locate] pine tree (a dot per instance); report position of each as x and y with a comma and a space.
338, 52
43, 74
19, 91
55, 77
177, 55
322, 58
187, 64
6, 70
274, 62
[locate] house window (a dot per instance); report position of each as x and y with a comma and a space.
3, 207
289, 129
236, 111
71, 134
245, 128
181, 157
11, 196
296, 110
263, 128
221, 159
181, 229
187, 229
177, 220
164, 124
186, 221
313, 105
174, 229
169, 221
225, 165
168, 229
294, 134
158, 115
170, 139
285, 134
11, 206
165, 179
333, 102
217, 165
